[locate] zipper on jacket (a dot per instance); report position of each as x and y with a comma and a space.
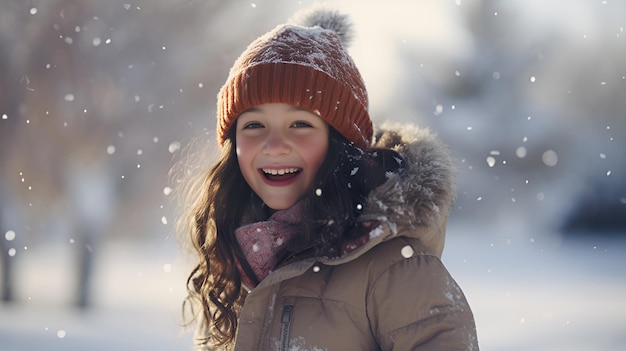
285, 326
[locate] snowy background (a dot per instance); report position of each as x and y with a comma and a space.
99, 99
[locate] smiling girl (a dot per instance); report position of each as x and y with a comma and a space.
311, 232
279, 150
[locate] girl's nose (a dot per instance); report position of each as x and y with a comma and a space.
276, 144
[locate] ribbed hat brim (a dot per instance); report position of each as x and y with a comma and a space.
298, 85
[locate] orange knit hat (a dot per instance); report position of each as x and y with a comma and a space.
304, 65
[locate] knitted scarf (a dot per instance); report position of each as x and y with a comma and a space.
262, 241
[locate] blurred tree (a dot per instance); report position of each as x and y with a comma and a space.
8, 126
532, 84
98, 94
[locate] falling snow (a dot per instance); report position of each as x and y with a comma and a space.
531, 142
407, 251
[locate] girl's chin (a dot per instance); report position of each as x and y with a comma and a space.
279, 207
279, 204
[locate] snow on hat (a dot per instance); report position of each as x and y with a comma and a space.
301, 63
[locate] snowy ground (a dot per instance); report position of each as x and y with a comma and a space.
527, 294
137, 293
543, 293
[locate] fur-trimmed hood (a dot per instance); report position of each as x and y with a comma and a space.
415, 203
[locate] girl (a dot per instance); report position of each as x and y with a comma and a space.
310, 233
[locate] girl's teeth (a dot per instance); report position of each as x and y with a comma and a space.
280, 171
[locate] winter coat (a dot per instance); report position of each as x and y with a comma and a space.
392, 292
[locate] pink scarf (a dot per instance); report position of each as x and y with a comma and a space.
261, 241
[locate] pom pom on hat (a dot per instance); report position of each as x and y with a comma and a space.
304, 65
326, 18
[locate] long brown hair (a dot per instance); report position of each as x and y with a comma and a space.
215, 202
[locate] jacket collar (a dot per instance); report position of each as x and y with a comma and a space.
415, 203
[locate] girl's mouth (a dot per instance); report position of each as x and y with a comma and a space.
278, 174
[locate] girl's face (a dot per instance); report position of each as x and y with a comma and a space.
280, 149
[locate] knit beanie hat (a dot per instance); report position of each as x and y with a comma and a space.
302, 63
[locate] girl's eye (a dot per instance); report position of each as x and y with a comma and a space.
253, 125
301, 124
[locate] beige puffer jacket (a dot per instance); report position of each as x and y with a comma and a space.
392, 293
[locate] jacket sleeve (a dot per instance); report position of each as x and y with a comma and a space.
416, 305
